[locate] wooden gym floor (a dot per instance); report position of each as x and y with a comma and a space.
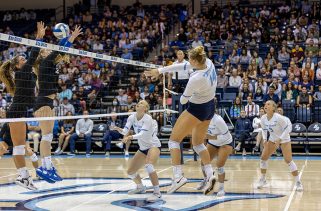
98, 183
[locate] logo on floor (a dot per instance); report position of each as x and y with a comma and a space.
99, 193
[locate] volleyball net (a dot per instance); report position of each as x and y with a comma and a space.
101, 82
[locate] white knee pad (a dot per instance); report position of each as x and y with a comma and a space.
199, 148
48, 137
220, 170
149, 168
34, 157
173, 145
263, 164
19, 150
292, 166
132, 176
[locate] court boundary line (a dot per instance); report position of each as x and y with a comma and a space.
288, 203
124, 186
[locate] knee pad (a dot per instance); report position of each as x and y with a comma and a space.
292, 166
149, 168
173, 145
34, 157
48, 137
220, 170
132, 176
263, 164
19, 150
199, 148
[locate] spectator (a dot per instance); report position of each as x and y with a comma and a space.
297, 54
318, 72
307, 84
289, 92
283, 56
258, 95
34, 133
304, 99
196, 42
67, 128
236, 108
307, 71
84, 129
271, 96
251, 109
317, 94
122, 97
3, 102
75, 102
65, 93
130, 103
65, 107
222, 79
111, 134
235, 80
243, 127
279, 72
257, 132
145, 93
127, 54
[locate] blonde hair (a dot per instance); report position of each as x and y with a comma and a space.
273, 104
145, 103
198, 54
7, 74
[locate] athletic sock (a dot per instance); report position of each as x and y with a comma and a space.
221, 185
139, 186
177, 171
156, 189
297, 178
23, 172
263, 176
208, 170
48, 163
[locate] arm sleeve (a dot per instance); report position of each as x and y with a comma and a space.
2, 132
286, 126
32, 58
176, 68
90, 129
191, 86
128, 125
145, 128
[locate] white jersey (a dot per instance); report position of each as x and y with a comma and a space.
144, 131
256, 124
201, 86
182, 75
279, 127
219, 128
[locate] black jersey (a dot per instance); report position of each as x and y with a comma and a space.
25, 81
48, 75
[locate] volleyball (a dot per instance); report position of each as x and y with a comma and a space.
61, 30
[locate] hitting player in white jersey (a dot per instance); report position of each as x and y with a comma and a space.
200, 93
276, 131
219, 144
145, 129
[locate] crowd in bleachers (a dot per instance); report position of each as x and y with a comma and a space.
260, 53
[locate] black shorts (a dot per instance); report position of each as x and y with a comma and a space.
217, 147
18, 110
146, 151
42, 101
8, 142
204, 111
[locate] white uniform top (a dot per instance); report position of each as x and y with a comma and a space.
144, 131
182, 75
278, 126
219, 127
201, 86
256, 124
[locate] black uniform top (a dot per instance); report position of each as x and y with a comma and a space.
48, 75
5, 134
25, 81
